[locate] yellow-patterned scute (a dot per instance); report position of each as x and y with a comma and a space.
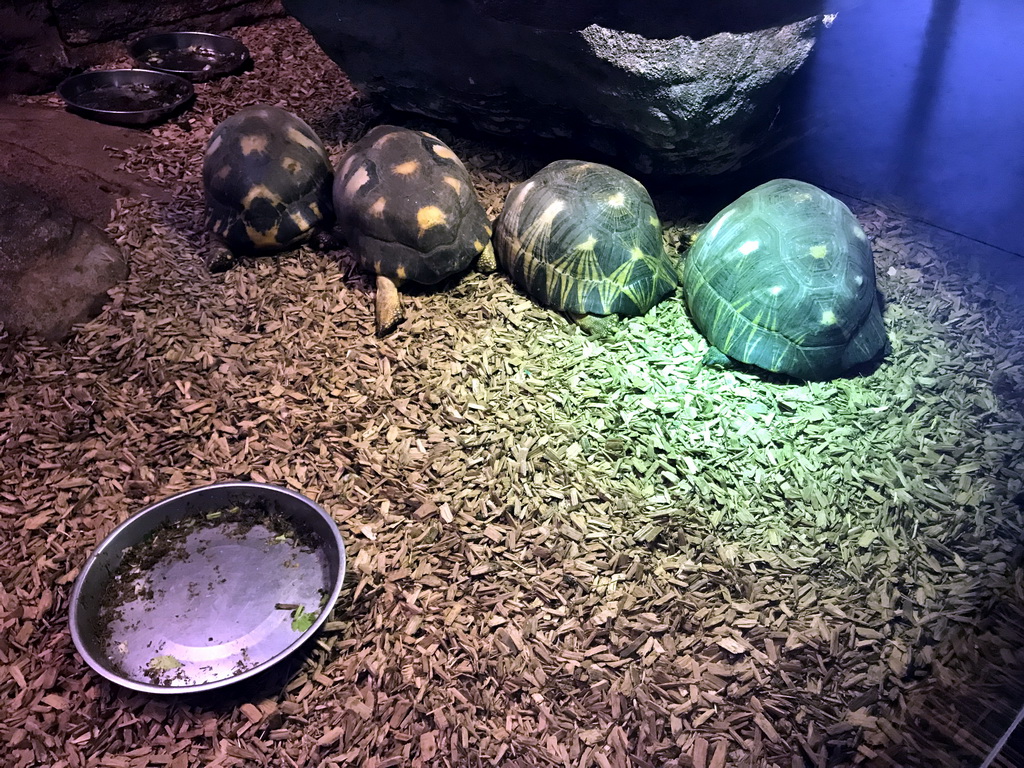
584, 238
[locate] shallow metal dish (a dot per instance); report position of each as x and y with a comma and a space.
125, 96
197, 56
222, 603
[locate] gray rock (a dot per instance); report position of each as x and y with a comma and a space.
672, 88
55, 269
31, 52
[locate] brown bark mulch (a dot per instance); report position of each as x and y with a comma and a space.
563, 550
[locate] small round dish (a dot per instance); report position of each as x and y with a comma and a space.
196, 56
126, 96
207, 587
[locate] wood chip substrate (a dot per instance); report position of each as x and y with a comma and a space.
563, 550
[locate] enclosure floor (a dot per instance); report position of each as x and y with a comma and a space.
563, 550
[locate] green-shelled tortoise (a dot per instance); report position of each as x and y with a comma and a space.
584, 239
783, 279
267, 180
408, 210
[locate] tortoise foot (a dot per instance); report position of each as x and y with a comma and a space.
716, 358
598, 326
325, 241
388, 311
218, 257
487, 262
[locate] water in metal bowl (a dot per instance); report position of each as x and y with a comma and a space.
206, 588
197, 56
125, 96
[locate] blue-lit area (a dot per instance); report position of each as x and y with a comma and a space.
919, 105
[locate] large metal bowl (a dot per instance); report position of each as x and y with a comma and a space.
196, 56
222, 604
126, 96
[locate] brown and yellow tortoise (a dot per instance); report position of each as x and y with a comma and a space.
407, 208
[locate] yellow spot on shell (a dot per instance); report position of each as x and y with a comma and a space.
828, 317
346, 165
223, 172
443, 151
818, 251
259, 191
256, 142
294, 134
487, 229
429, 216
259, 239
400, 273
654, 221
454, 183
356, 181
377, 209
479, 246
548, 216
617, 200
636, 253
315, 208
290, 164
407, 168
301, 219
588, 244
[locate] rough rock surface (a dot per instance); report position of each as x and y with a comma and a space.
669, 89
42, 41
30, 48
55, 269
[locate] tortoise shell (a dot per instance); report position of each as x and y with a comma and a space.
267, 180
584, 238
783, 278
407, 207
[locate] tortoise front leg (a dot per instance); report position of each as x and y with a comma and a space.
599, 326
388, 311
487, 262
217, 257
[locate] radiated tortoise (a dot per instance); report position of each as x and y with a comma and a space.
584, 238
783, 279
267, 180
407, 208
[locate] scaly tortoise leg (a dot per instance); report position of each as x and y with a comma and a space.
388, 310
599, 326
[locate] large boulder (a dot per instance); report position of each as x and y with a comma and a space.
55, 268
659, 86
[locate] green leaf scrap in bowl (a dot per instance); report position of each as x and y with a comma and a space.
164, 663
301, 620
